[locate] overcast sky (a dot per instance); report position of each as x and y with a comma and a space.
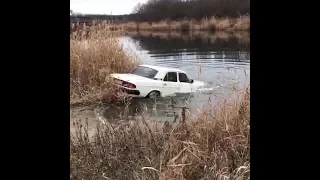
104, 6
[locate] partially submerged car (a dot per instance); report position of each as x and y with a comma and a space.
155, 81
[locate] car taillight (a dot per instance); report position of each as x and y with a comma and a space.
128, 85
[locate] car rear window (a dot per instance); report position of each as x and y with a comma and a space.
145, 72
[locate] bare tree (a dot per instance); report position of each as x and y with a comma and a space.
136, 8
154, 10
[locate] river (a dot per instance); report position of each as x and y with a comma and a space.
221, 59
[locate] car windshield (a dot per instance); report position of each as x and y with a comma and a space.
145, 72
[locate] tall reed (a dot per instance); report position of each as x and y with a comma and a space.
95, 53
215, 146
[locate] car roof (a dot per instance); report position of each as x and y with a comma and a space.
161, 68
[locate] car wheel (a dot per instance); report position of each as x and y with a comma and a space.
154, 94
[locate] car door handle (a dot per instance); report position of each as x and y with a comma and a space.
165, 84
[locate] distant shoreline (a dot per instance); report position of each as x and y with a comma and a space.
209, 24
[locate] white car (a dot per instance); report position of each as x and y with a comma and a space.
154, 81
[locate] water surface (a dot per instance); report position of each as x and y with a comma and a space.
221, 59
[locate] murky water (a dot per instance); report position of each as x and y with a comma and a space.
222, 59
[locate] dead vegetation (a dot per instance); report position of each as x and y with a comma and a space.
95, 53
215, 146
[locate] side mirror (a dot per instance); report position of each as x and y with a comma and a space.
191, 81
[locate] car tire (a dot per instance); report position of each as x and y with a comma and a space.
153, 94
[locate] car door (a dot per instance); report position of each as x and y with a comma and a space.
170, 84
185, 85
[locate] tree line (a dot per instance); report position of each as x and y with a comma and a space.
155, 10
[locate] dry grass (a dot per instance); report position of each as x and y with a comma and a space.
224, 24
242, 23
215, 146
162, 25
208, 23
132, 26
92, 58
239, 24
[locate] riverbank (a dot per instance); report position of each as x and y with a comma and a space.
92, 59
243, 37
215, 146
210, 24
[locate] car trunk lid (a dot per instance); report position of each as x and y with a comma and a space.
132, 78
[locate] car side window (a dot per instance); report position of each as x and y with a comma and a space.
183, 78
171, 76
